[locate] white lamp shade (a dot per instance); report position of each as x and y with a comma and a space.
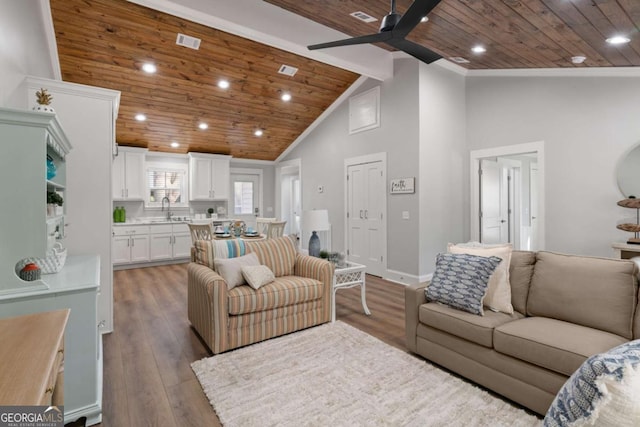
316, 220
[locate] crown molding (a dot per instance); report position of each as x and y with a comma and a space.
559, 72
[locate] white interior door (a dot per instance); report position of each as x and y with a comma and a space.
365, 201
246, 190
493, 202
533, 239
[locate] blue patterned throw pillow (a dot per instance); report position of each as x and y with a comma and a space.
460, 281
604, 391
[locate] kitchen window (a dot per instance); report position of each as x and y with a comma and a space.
166, 182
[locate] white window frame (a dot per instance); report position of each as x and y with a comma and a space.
167, 167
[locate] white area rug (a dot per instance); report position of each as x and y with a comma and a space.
336, 375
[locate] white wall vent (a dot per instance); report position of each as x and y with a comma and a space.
188, 41
459, 60
363, 16
288, 70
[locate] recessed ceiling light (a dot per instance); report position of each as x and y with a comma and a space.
478, 49
424, 19
286, 97
175, 144
223, 84
618, 40
141, 117
203, 125
148, 67
578, 59
258, 132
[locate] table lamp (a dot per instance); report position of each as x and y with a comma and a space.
316, 220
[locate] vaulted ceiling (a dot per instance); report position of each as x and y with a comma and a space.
104, 43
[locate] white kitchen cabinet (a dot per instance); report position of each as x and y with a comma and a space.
169, 241
208, 176
181, 241
130, 244
160, 242
128, 173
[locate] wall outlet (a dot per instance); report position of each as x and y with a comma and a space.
405, 214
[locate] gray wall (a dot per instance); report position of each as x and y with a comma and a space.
422, 131
444, 160
323, 153
587, 123
23, 49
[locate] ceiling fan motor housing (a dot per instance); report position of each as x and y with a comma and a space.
389, 22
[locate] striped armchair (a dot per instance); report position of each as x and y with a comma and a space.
300, 296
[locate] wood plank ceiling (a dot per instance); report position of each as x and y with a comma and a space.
105, 42
515, 33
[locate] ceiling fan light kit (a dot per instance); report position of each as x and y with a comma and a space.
393, 30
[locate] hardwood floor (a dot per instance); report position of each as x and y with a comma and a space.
148, 380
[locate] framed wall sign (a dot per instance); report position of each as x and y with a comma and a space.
364, 111
402, 186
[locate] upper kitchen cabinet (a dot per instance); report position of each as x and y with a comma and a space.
208, 177
128, 174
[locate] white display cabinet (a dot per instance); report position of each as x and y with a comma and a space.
27, 138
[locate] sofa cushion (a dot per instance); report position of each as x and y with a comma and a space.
477, 329
498, 297
520, 272
257, 275
461, 281
278, 254
283, 291
603, 392
231, 269
206, 251
595, 292
552, 344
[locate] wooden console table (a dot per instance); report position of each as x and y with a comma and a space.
625, 250
31, 359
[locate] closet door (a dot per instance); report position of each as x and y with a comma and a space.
365, 200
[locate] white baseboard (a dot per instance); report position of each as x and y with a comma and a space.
405, 278
92, 412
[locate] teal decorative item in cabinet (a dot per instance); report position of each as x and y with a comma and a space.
51, 168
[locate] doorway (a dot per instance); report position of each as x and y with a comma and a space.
507, 195
246, 195
289, 195
366, 204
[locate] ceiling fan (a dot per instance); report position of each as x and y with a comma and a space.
393, 30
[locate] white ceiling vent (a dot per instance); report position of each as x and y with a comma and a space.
459, 60
288, 70
188, 41
363, 16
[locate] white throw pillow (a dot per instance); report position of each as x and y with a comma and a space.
231, 268
498, 297
258, 275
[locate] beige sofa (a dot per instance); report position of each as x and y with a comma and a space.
567, 308
300, 296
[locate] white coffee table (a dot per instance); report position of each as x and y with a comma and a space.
349, 276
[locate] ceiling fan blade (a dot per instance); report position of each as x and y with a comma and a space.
417, 51
418, 10
371, 38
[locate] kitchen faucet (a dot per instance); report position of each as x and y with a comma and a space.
168, 207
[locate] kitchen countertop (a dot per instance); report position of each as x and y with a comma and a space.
156, 221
